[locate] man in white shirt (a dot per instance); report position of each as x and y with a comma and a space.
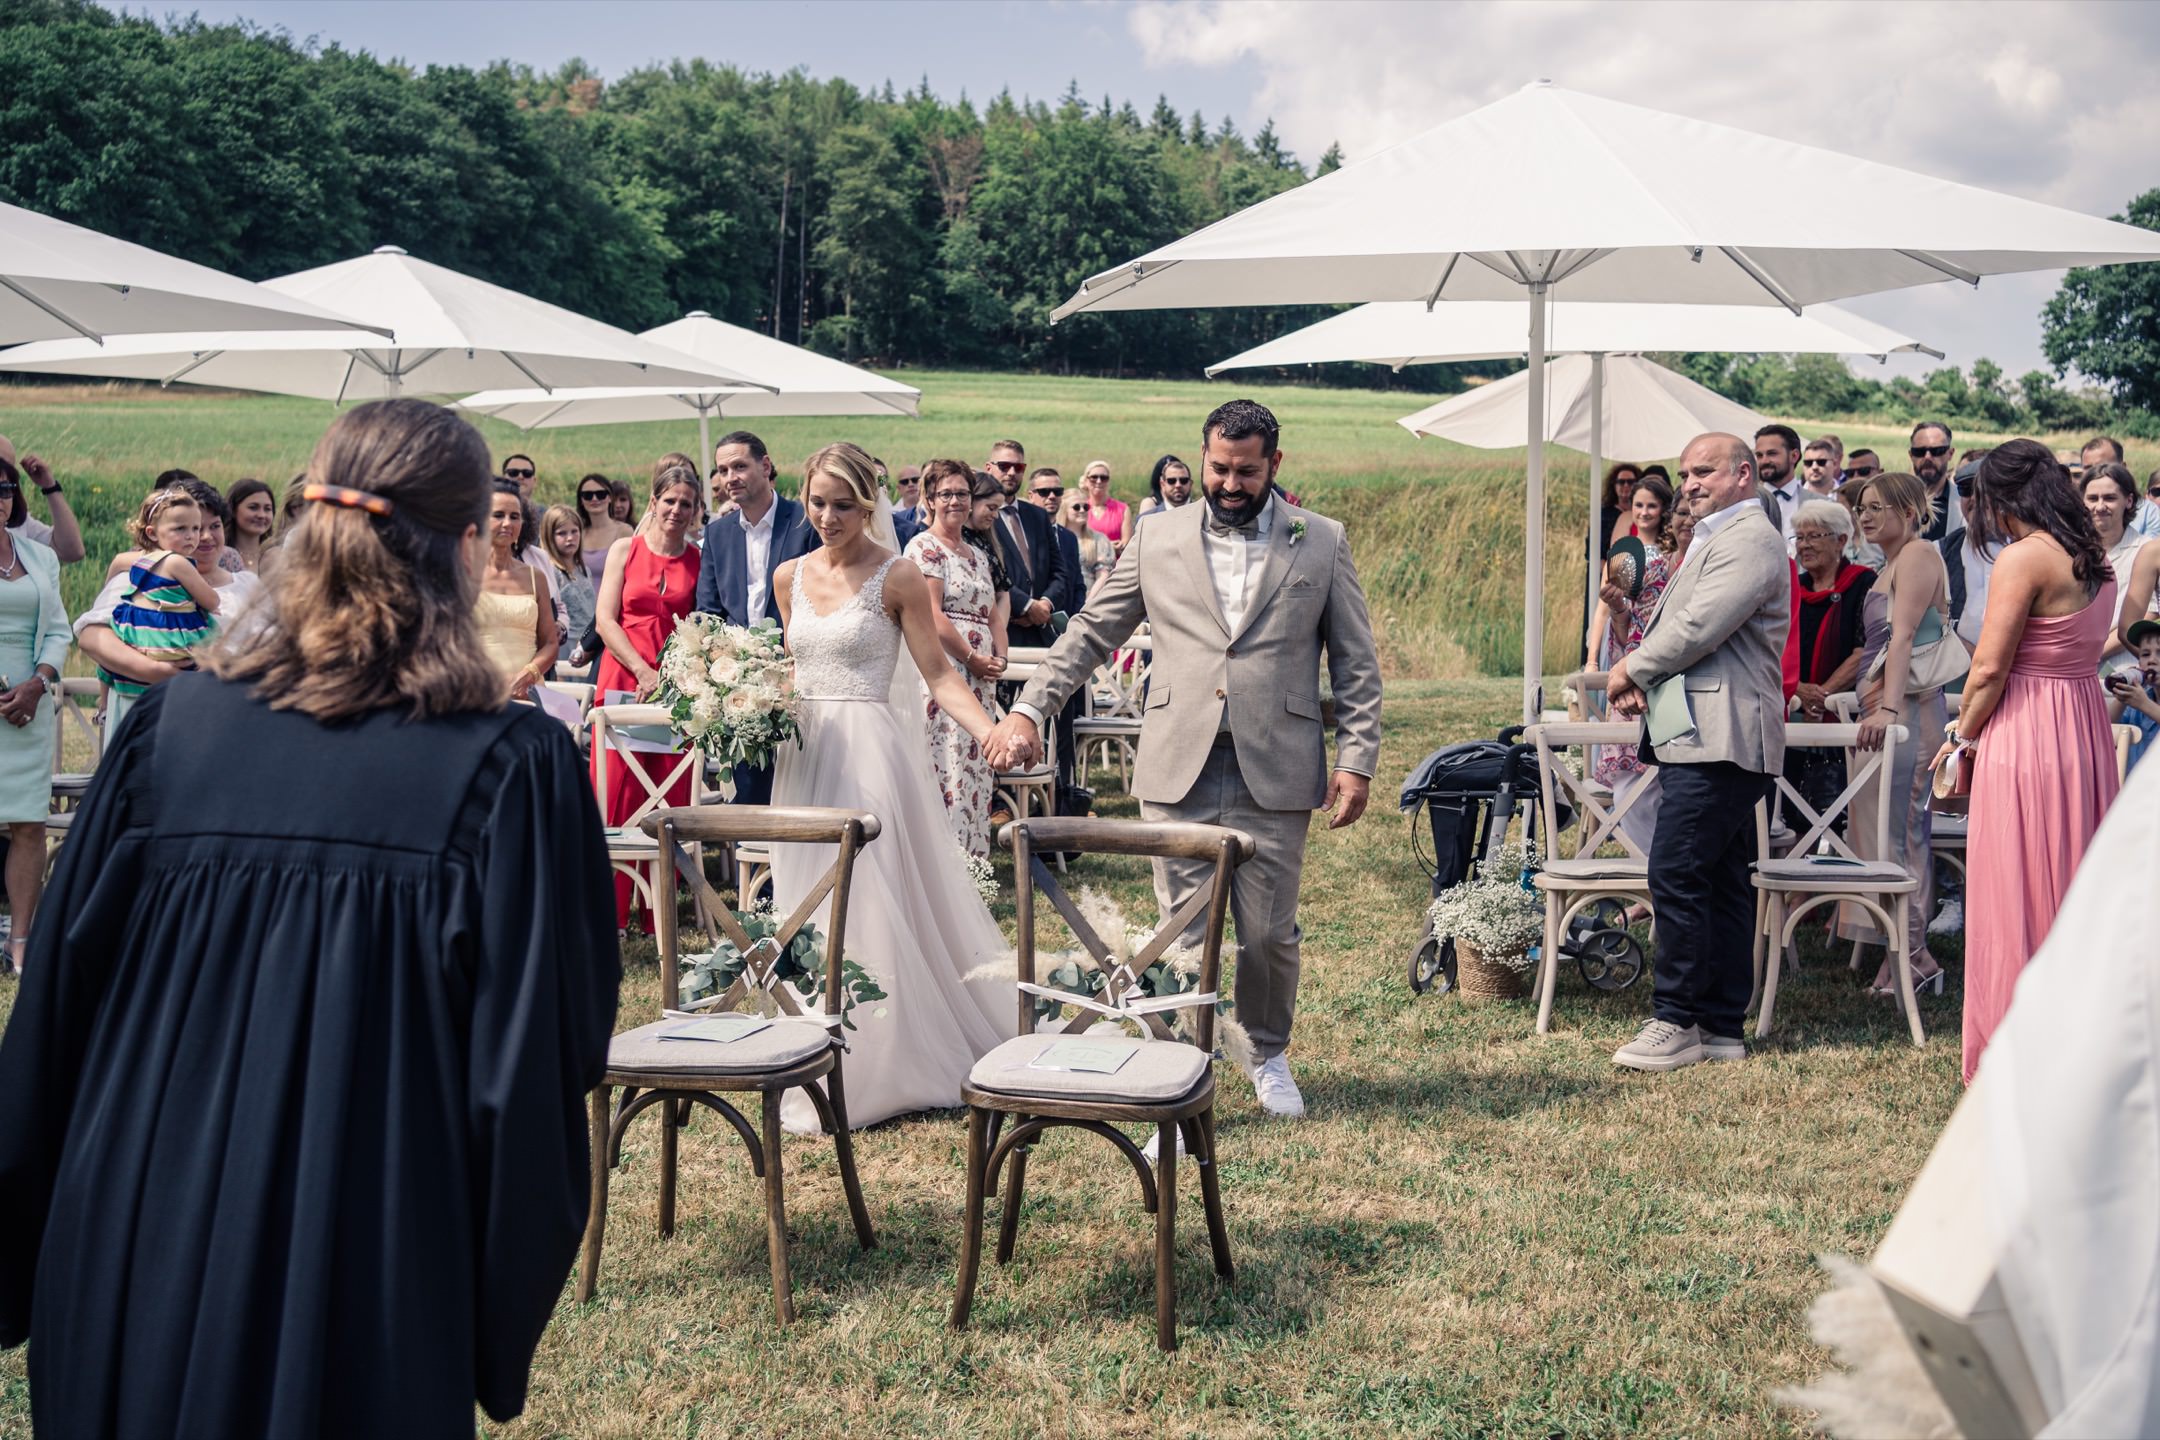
1777, 459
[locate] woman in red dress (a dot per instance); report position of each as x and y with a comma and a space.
649, 584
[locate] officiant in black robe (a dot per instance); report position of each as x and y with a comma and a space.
293, 1140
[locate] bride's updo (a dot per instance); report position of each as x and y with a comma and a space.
849, 464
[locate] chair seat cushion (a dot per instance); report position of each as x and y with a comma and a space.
1594, 867
1803, 871
779, 1046
1107, 725
1160, 1071
628, 842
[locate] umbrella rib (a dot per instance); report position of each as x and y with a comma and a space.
202, 358
1755, 272
893, 404
53, 310
1590, 257
524, 370
352, 358
1936, 262
1434, 298
547, 417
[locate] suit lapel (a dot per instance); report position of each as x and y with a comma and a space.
782, 524
1192, 547
1272, 566
734, 569
1693, 567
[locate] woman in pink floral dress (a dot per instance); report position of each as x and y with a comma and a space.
1618, 627
963, 586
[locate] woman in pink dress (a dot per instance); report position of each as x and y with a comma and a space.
2035, 716
1109, 518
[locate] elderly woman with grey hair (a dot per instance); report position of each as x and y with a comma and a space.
1824, 646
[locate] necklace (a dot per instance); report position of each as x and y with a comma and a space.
13, 567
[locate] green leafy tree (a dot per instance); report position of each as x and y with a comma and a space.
2105, 322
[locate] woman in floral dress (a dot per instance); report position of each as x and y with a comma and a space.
964, 590
1623, 620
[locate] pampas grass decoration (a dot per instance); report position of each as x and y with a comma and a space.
1882, 1389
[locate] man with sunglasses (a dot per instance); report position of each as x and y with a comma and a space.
1819, 468
1037, 582
520, 470
1861, 465
64, 534
1046, 489
1929, 450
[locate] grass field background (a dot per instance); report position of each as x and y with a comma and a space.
1437, 527
1477, 1231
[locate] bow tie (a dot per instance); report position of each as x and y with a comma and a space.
1246, 531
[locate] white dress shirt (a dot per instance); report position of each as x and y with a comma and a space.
2145, 519
1977, 569
1790, 496
1234, 560
757, 555
1707, 526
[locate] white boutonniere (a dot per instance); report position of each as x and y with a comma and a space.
1297, 531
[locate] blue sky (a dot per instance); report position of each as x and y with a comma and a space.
2049, 100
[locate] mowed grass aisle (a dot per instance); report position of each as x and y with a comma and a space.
1475, 1232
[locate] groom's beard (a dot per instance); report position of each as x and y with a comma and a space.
1244, 514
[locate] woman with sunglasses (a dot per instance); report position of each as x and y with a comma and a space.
596, 509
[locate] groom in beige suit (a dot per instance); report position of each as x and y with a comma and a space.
1717, 643
1243, 595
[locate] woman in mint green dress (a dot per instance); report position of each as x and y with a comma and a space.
33, 645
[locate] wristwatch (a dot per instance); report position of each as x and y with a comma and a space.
52, 489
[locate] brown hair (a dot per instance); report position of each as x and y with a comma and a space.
935, 470
2022, 480
366, 612
1612, 479
670, 470
551, 525
1664, 494
153, 509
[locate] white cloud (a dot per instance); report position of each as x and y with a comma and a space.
2049, 101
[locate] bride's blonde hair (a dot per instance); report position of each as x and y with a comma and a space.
849, 464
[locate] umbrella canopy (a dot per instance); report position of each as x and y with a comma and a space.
804, 383
61, 281
1407, 332
455, 334
1564, 194
1650, 409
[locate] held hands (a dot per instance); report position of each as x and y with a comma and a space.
1346, 797
1622, 694
1037, 612
1012, 743
1813, 698
985, 667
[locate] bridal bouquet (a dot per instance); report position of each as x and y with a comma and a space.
729, 690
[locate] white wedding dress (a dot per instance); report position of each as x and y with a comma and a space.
914, 918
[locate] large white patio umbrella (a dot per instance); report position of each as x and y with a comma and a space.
804, 383
1651, 410
1554, 194
454, 335
1398, 333
63, 281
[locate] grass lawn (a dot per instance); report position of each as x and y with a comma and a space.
1475, 1232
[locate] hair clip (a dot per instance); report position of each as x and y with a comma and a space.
349, 498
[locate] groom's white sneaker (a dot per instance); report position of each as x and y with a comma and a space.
1277, 1092
1153, 1148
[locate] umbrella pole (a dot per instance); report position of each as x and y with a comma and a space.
1533, 644
704, 435
1597, 496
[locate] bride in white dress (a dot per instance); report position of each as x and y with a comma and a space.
915, 920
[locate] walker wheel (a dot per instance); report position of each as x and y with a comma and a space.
1432, 963
1610, 959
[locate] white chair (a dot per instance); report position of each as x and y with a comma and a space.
1030, 790
1115, 695
84, 725
1573, 883
1803, 879
619, 735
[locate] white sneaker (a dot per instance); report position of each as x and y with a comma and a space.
1277, 1092
1949, 920
1153, 1148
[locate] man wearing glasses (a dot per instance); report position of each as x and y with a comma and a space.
520, 469
1930, 452
1035, 582
1046, 489
1819, 468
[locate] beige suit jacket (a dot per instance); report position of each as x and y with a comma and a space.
1721, 627
1306, 601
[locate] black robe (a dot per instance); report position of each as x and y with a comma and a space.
291, 1124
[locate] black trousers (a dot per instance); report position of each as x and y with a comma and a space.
1705, 904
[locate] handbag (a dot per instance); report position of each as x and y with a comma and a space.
1953, 781
1934, 665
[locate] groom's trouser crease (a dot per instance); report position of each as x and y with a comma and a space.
1263, 893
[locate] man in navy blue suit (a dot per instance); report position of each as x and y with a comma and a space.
742, 550
1040, 581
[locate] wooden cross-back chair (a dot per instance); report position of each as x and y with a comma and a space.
83, 726
1166, 1082
1116, 694
799, 1050
1804, 878
631, 848
1573, 883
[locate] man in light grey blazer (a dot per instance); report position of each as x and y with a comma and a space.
1716, 642
1244, 595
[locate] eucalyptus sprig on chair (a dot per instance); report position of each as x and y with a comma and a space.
704, 978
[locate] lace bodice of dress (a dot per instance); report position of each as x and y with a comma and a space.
849, 654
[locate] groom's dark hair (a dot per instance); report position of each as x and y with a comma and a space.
1241, 420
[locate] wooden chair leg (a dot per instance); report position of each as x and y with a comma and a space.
1548, 976
1166, 1236
1009, 1221
596, 1214
1755, 992
1899, 914
844, 1152
971, 1223
670, 1132
1203, 1127
776, 1213
1768, 968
